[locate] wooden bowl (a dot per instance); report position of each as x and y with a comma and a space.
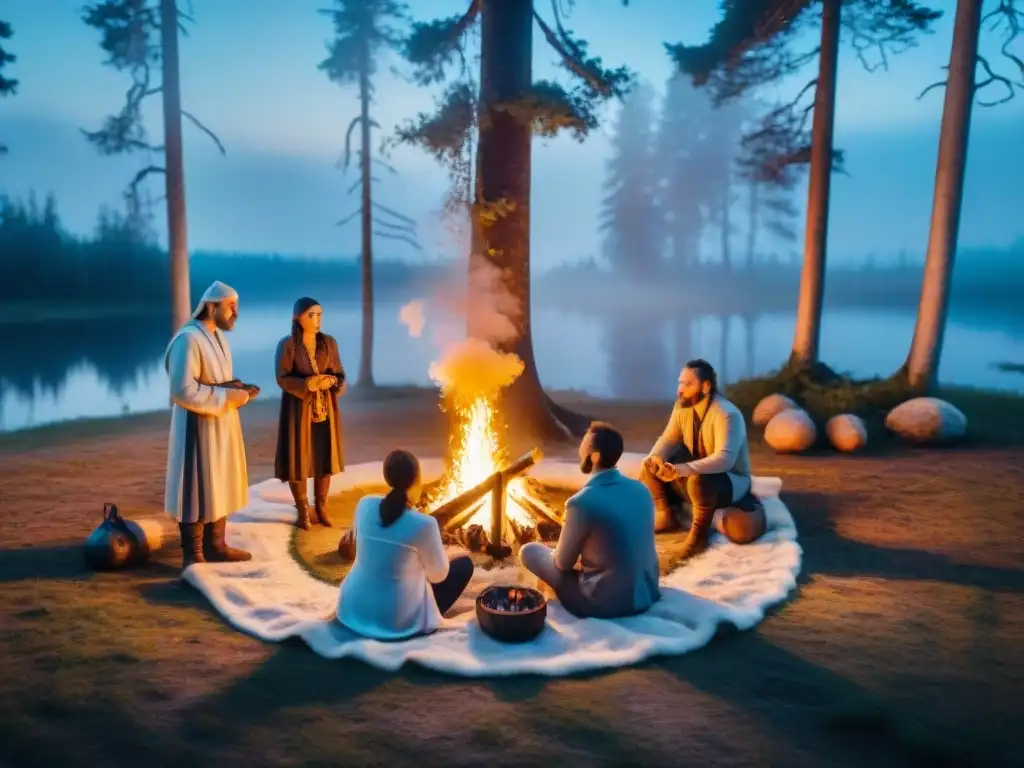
511, 626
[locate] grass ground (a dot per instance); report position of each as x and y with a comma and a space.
900, 648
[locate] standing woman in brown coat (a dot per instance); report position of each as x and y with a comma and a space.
311, 376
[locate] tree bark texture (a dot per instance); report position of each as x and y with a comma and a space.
174, 161
504, 168
807, 338
365, 378
926, 347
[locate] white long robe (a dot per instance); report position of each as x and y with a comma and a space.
207, 478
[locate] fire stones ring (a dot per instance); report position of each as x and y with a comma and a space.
274, 597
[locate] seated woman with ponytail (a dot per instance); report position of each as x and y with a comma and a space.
402, 581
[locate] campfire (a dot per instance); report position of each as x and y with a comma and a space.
484, 502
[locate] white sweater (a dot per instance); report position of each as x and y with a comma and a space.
387, 594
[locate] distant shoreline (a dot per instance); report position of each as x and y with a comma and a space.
56, 311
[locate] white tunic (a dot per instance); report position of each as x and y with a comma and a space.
387, 594
207, 477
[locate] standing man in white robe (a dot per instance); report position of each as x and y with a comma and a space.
207, 478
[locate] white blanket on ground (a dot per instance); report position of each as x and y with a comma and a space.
273, 597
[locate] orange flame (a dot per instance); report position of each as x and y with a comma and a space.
476, 453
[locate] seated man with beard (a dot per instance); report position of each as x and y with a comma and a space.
609, 527
701, 457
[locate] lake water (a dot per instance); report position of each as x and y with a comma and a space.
52, 372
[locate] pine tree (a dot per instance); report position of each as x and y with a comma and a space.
633, 227
630, 219
921, 368
138, 36
507, 110
753, 45
362, 29
8, 86
683, 140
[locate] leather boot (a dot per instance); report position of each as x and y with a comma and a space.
700, 532
191, 544
298, 490
664, 515
215, 545
321, 487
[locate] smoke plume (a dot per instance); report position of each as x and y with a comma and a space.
473, 368
412, 317
472, 296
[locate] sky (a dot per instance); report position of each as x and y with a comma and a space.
252, 77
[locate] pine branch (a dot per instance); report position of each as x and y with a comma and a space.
137, 179
1004, 15
8, 86
888, 28
409, 229
445, 133
346, 158
603, 83
753, 43
392, 212
403, 238
386, 165
192, 119
549, 108
433, 46
347, 219
750, 43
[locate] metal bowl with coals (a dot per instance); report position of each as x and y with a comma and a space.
511, 614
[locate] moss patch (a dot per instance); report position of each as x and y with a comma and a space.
992, 417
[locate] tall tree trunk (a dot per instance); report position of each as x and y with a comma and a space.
753, 223
177, 228
366, 169
922, 364
723, 350
504, 168
812, 278
726, 225
749, 327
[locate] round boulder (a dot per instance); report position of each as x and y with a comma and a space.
771, 406
927, 420
791, 431
846, 432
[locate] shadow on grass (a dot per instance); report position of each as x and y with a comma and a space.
64, 563
757, 676
827, 552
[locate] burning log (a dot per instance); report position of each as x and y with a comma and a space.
540, 511
452, 514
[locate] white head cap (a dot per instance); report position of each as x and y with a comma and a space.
217, 292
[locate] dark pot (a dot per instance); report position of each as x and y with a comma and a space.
114, 544
508, 626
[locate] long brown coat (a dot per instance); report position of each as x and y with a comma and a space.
294, 439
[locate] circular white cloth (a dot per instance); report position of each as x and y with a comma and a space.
274, 597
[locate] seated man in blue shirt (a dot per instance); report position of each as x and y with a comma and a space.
609, 529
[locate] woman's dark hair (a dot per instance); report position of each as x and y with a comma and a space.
401, 472
300, 308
